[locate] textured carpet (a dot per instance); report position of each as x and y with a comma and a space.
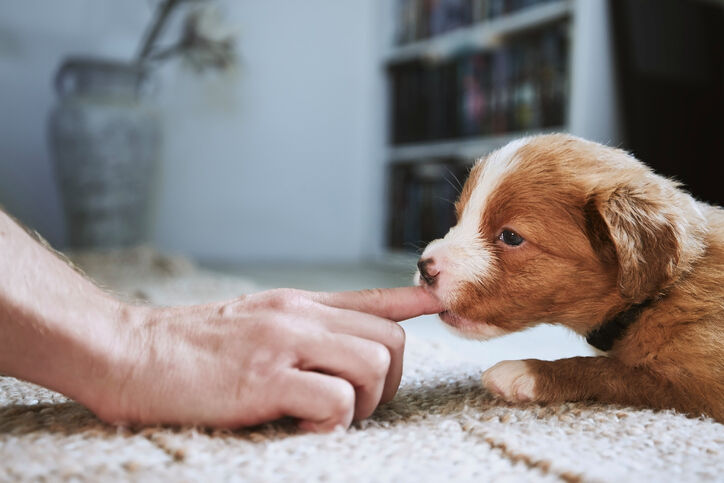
441, 427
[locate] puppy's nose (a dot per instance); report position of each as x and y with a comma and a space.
428, 270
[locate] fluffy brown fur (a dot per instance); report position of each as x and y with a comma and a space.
602, 232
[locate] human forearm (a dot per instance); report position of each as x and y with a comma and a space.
57, 328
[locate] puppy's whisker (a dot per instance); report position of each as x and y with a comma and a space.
457, 187
457, 180
445, 200
418, 248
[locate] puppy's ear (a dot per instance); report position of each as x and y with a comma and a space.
640, 230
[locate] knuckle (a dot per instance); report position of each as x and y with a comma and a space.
233, 306
379, 360
281, 299
396, 338
342, 403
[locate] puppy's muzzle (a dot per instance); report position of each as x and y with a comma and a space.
428, 270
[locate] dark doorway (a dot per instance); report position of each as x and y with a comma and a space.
670, 59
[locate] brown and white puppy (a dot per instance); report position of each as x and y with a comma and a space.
557, 229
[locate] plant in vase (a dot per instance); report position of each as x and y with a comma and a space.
104, 136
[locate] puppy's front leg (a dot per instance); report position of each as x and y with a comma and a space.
602, 379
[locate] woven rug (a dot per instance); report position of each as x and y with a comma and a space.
441, 426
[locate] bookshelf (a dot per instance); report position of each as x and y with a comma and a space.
481, 34
536, 66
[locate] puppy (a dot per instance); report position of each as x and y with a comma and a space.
557, 229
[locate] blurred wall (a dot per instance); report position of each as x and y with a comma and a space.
278, 160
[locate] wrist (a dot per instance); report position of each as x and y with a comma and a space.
110, 360
85, 354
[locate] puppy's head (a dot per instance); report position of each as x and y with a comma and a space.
561, 230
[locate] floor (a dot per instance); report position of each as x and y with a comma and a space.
543, 342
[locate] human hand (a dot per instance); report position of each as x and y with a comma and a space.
324, 358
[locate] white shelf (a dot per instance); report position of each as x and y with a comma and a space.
466, 148
481, 35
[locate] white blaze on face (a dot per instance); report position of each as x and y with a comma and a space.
463, 255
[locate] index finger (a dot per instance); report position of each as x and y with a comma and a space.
390, 303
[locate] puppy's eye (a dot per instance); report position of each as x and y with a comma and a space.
509, 237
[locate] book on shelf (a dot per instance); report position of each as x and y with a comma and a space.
520, 85
421, 19
422, 197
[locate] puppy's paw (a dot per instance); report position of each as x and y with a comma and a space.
510, 380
